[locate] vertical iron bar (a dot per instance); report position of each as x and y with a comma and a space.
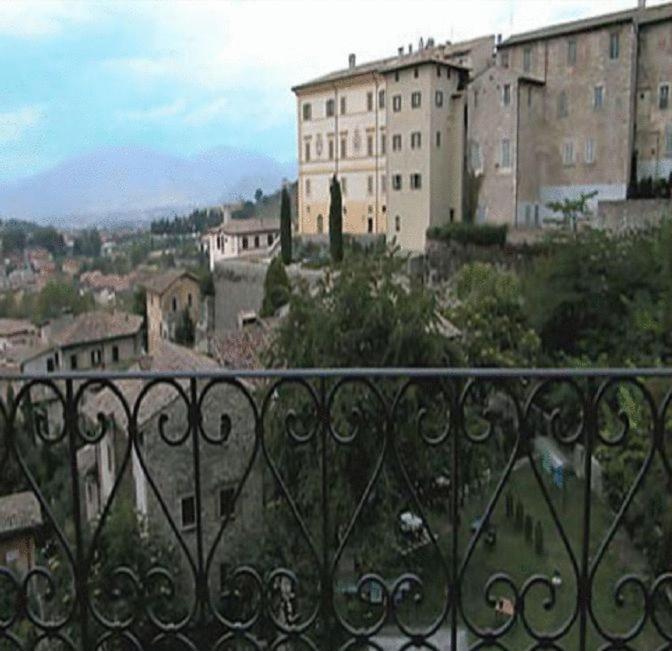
80, 576
454, 588
584, 593
327, 600
201, 580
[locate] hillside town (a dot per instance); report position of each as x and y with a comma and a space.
391, 403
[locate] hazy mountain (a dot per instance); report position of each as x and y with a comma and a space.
131, 183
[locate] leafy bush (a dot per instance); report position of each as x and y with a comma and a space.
478, 234
277, 288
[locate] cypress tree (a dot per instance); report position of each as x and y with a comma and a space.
336, 221
285, 228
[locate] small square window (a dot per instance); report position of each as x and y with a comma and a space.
438, 138
438, 98
416, 140
590, 151
506, 154
527, 59
568, 153
416, 181
396, 181
330, 108
343, 105
115, 353
226, 502
396, 103
307, 112
416, 99
188, 512
396, 142
369, 101
381, 99
256, 241
504, 59
415, 73
571, 52
614, 45
506, 94
664, 97
598, 97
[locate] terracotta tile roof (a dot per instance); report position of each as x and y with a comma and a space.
96, 326
18, 512
244, 226
166, 356
648, 15
161, 282
241, 349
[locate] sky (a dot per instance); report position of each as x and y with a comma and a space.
184, 77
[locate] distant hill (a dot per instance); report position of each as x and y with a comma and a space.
128, 184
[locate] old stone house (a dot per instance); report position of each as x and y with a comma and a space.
20, 520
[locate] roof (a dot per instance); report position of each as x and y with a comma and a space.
10, 327
161, 282
648, 15
251, 225
412, 60
435, 54
241, 349
96, 326
18, 512
166, 356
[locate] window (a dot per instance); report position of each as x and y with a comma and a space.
344, 147
369, 184
396, 181
438, 98
568, 153
307, 112
330, 108
369, 101
397, 223
590, 151
331, 149
668, 140
416, 140
614, 45
383, 183
344, 185
369, 225
96, 357
320, 224
506, 94
226, 502
527, 59
188, 512
383, 143
438, 70
536, 215
504, 59
343, 105
73, 362
50, 365
505, 159
307, 187
246, 243
190, 300
415, 73
416, 181
475, 156
115, 351
563, 111
664, 97
381, 99
571, 52
396, 76
438, 138
174, 303
256, 241
396, 103
598, 97
369, 145
306, 153
396, 142
528, 215
416, 99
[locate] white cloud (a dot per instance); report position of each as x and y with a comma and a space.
13, 124
29, 19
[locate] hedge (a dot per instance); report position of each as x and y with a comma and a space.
479, 234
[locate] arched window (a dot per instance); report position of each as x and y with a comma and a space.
320, 224
397, 223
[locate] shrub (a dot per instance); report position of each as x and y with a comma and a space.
477, 234
277, 288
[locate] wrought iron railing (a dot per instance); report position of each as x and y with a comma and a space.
325, 509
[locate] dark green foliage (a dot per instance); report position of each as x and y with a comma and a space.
285, 228
198, 221
528, 528
57, 298
335, 221
520, 515
247, 210
509, 505
88, 243
464, 233
185, 330
258, 195
572, 210
538, 538
50, 239
277, 288
14, 239
650, 188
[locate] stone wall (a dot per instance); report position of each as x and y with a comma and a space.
632, 214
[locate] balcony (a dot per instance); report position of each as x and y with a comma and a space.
337, 509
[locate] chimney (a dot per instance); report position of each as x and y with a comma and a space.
499, 39
410, 48
421, 44
352, 60
430, 42
400, 51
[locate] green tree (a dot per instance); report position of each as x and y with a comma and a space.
185, 331
277, 288
573, 210
258, 195
487, 307
57, 298
285, 228
335, 221
88, 243
50, 239
472, 190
